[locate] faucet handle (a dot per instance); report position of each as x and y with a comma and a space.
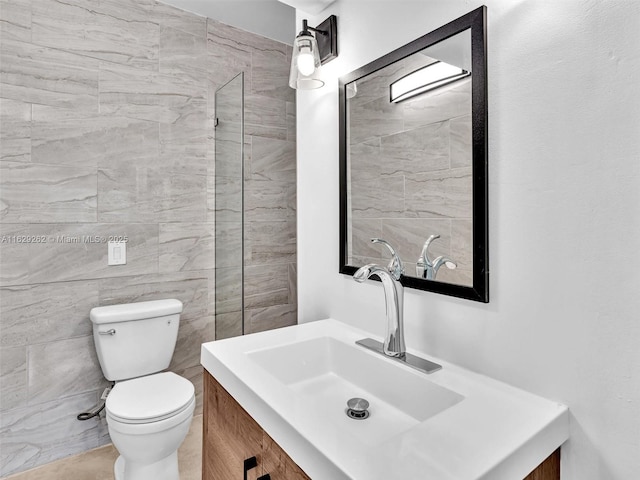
395, 266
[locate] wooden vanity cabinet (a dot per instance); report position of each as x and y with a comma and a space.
231, 437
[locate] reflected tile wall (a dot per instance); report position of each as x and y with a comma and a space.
106, 128
410, 172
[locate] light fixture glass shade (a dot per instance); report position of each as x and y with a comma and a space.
304, 63
426, 78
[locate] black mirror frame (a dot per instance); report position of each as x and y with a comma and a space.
476, 21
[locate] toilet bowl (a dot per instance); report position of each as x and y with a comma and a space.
148, 419
149, 410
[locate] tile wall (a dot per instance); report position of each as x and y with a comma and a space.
107, 130
410, 172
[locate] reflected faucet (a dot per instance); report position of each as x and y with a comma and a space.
394, 345
427, 268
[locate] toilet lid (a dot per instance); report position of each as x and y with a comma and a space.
150, 398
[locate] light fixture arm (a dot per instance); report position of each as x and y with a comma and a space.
306, 28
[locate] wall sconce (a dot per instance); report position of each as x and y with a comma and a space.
309, 52
425, 79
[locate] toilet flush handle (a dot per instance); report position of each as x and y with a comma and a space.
108, 332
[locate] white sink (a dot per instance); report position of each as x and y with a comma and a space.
450, 425
327, 372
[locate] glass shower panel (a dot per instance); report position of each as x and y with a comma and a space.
229, 171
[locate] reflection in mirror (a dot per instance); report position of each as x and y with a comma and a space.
409, 164
414, 162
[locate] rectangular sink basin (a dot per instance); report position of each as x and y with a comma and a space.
326, 373
452, 424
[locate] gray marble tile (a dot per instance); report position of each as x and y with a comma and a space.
186, 246
360, 261
34, 435
241, 40
228, 291
438, 105
13, 377
131, 194
68, 257
266, 285
229, 151
269, 200
169, 16
266, 111
183, 55
211, 198
461, 142
228, 325
407, 235
190, 125
228, 53
101, 29
15, 20
63, 368
291, 121
187, 159
439, 194
374, 119
15, 130
293, 284
273, 159
68, 137
272, 243
362, 231
266, 131
228, 238
147, 95
421, 150
228, 199
191, 288
193, 332
47, 312
378, 197
270, 68
191, 335
229, 106
268, 318
47, 193
365, 160
47, 76
14, 256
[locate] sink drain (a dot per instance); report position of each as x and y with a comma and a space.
357, 408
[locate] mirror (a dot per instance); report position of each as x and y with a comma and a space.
413, 161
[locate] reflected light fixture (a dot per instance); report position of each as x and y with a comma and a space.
425, 79
309, 52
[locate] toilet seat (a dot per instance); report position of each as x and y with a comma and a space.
150, 399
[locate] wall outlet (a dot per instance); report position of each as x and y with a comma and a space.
117, 253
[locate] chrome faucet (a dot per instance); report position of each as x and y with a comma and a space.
427, 268
393, 347
394, 298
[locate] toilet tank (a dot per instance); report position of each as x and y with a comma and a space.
135, 339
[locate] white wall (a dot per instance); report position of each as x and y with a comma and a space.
564, 173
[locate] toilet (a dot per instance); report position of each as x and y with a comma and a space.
148, 411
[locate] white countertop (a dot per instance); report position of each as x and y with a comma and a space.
497, 432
